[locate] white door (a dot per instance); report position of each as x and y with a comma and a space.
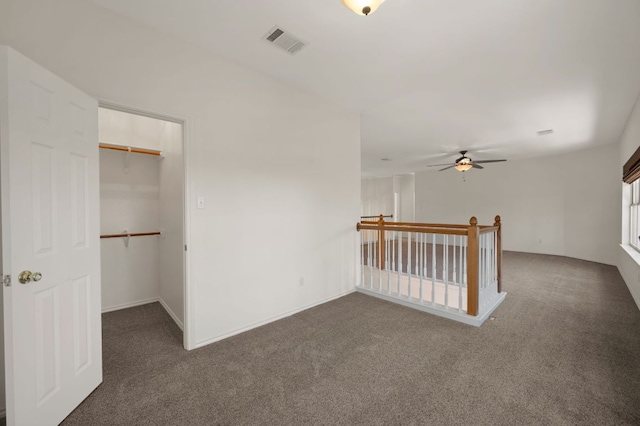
50, 226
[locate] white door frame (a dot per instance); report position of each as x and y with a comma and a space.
187, 290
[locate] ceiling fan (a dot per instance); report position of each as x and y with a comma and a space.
465, 163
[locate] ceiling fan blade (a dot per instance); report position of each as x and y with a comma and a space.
487, 161
440, 165
476, 166
453, 165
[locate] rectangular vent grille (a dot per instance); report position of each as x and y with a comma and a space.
274, 35
284, 40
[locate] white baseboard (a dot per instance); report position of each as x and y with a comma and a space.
130, 305
270, 320
171, 314
449, 314
146, 302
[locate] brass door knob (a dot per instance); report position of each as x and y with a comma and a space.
27, 276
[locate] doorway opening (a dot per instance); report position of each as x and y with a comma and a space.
142, 184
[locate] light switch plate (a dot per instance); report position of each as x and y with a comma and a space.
200, 202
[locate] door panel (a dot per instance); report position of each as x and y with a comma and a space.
51, 226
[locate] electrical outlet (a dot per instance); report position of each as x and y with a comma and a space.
200, 202
301, 281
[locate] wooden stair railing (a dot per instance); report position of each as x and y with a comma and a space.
472, 232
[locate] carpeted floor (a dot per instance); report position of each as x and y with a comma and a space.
564, 348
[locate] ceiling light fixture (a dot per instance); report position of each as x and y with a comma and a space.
363, 7
464, 164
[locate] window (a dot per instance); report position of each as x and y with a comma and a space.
634, 216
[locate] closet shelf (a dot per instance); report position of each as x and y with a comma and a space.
130, 149
139, 234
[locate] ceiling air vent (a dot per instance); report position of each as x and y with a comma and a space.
284, 40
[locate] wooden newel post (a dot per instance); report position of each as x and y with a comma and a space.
473, 264
499, 252
381, 243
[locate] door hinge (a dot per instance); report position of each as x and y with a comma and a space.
185, 247
6, 280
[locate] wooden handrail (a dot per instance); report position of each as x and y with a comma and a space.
486, 229
418, 229
130, 149
426, 225
138, 234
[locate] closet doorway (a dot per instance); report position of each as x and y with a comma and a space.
142, 185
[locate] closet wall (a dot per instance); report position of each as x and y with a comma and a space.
141, 193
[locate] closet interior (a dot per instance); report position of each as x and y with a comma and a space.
142, 212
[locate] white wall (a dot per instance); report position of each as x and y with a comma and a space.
171, 204
123, 128
388, 195
565, 205
628, 260
405, 186
376, 196
281, 205
129, 201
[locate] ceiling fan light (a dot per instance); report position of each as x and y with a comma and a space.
363, 7
463, 167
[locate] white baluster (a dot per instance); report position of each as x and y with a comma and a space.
416, 265
486, 260
495, 256
433, 271
393, 252
480, 264
390, 257
425, 265
370, 264
362, 257
464, 263
487, 270
379, 247
460, 276
409, 264
400, 260
420, 265
454, 270
445, 272
482, 255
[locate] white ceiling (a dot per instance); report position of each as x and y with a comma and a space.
432, 77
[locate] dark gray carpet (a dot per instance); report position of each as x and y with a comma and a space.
564, 348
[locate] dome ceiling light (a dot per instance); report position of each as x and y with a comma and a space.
363, 7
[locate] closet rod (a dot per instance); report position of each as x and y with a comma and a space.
140, 234
129, 149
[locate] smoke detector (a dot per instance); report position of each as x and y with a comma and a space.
284, 40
